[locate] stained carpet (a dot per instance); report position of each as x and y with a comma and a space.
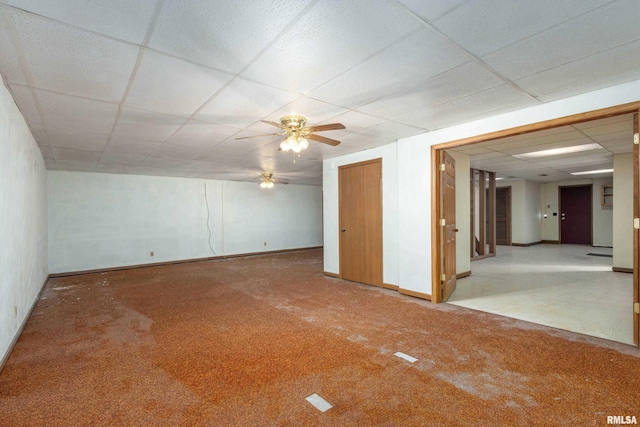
244, 342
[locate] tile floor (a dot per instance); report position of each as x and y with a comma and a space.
553, 285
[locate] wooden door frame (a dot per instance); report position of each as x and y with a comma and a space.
436, 253
340, 241
560, 187
636, 231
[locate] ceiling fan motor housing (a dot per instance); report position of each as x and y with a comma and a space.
293, 122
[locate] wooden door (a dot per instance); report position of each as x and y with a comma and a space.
575, 215
636, 233
448, 217
360, 212
503, 216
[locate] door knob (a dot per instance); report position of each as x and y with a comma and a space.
343, 230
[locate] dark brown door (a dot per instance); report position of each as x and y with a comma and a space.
360, 210
575, 215
448, 214
503, 215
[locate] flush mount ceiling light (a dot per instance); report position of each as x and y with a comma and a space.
297, 135
558, 151
593, 172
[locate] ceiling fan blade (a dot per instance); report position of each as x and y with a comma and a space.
262, 134
320, 128
271, 123
324, 140
281, 181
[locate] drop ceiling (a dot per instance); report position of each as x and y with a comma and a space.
163, 87
613, 135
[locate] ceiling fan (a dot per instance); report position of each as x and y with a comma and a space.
297, 135
267, 180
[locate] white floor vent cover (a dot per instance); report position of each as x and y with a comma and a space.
406, 357
321, 404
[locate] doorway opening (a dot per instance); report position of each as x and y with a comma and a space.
523, 140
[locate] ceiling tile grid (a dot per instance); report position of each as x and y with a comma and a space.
164, 87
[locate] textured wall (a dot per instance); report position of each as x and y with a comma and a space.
23, 221
107, 220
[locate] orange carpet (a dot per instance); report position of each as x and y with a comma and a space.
243, 342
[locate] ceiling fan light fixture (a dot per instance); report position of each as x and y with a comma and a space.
303, 143
266, 181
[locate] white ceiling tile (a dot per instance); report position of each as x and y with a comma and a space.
390, 131
132, 145
620, 149
624, 127
478, 105
76, 165
615, 66
462, 81
619, 146
620, 120
471, 150
78, 113
10, 64
47, 152
27, 105
160, 85
242, 103
118, 168
76, 155
147, 125
343, 52
416, 58
432, 9
547, 135
565, 161
122, 19
197, 134
221, 157
223, 34
72, 61
486, 25
544, 143
605, 28
71, 138
604, 139
236, 147
330, 38
121, 158
172, 151
355, 120
39, 133
165, 164
315, 111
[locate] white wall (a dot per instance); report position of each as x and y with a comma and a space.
532, 232
463, 212
623, 210
525, 211
602, 215
23, 222
389, 158
413, 220
106, 220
